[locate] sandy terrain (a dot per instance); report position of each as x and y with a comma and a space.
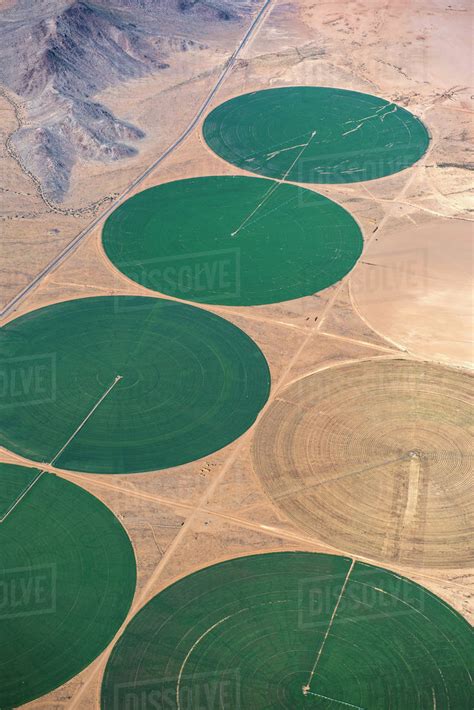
185, 518
414, 286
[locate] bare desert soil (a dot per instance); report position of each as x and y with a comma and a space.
416, 227
414, 286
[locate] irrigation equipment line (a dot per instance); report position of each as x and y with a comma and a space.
306, 487
35, 480
273, 187
339, 702
306, 688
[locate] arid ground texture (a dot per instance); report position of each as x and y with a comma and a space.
236, 461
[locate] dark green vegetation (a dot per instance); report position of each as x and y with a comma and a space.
315, 134
248, 633
232, 240
67, 578
191, 383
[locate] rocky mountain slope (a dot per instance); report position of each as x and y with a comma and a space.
56, 56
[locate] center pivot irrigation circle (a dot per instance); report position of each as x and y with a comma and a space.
190, 383
232, 240
315, 134
375, 457
67, 578
292, 630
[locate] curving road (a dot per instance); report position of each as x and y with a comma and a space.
72, 246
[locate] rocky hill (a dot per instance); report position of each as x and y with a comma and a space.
56, 56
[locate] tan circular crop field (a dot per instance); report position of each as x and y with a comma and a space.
375, 458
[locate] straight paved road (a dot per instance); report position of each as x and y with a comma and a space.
72, 246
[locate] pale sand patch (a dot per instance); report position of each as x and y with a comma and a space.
414, 287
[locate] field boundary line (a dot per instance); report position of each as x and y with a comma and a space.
306, 687
35, 480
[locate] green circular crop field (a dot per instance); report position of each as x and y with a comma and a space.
292, 630
315, 134
67, 579
191, 383
232, 240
